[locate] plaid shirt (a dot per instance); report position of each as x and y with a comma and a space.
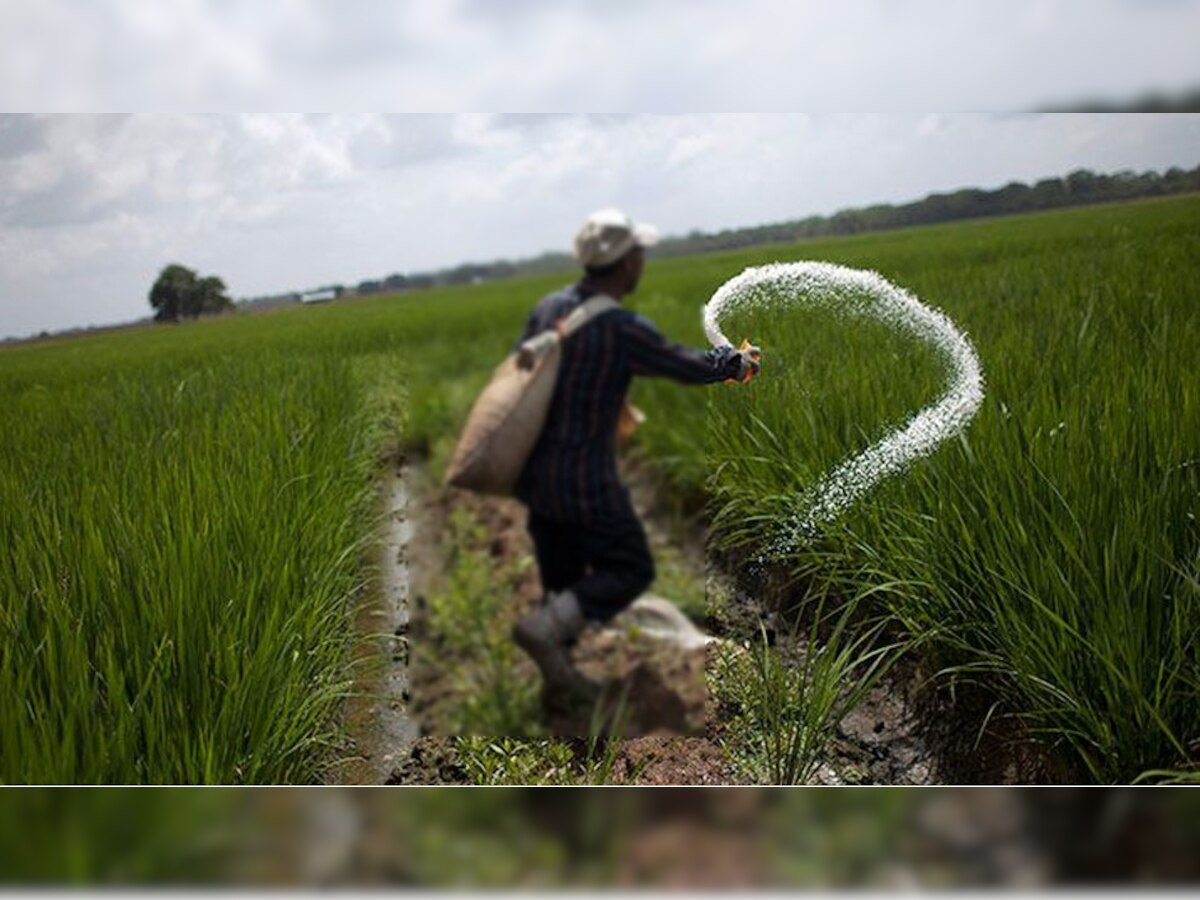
571, 475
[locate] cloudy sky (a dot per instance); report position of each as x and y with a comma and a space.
92, 207
644, 55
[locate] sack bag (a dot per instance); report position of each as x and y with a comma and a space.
507, 418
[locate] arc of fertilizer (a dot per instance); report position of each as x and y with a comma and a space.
862, 294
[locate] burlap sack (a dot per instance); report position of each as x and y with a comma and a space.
508, 417
504, 424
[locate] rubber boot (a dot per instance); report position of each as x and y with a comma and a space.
546, 634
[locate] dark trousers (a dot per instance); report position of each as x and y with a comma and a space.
606, 564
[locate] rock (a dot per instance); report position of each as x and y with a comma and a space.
651, 660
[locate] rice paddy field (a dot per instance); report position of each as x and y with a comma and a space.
186, 510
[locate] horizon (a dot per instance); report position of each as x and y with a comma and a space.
148, 319
351, 284
97, 205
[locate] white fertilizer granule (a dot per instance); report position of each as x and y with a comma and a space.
859, 293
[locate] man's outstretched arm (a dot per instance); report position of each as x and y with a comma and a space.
651, 354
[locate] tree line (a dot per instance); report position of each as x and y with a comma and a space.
1078, 188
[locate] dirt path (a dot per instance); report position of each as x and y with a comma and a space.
672, 735
671, 730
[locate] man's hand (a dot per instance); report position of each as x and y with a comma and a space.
749, 363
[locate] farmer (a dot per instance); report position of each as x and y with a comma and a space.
591, 549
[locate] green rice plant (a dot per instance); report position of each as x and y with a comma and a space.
184, 508
184, 511
154, 629
187, 509
1053, 548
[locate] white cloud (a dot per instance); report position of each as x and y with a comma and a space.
92, 207
651, 55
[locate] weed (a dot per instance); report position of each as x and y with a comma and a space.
790, 697
468, 638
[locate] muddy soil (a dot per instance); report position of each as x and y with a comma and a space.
671, 730
655, 696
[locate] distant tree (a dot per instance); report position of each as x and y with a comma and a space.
179, 293
211, 296
168, 294
1083, 184
1048, 193
1013, 197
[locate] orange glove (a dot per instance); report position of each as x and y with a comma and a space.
750, 363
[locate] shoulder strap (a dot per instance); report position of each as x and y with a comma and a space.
584, 313
530, 351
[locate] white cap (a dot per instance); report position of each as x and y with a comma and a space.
608, 234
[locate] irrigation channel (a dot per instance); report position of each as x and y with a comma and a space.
382, 730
